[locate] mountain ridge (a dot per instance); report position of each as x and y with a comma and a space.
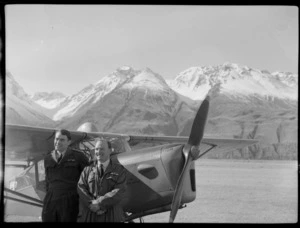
141, 102
195, 82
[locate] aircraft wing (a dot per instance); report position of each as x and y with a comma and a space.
217, 145
26, 143
23, 143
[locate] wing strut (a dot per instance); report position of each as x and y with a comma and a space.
190, 153
38, 203
24, 201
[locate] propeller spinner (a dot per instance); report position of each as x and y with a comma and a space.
190, 153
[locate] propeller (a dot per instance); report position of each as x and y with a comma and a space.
190, 152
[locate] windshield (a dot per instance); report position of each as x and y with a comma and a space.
119, 145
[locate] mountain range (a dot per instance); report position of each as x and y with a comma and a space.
250, 103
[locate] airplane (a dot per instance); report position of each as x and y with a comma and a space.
161, 169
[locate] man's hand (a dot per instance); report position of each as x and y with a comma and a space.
94, 201
100, 212
99, 199
94, 207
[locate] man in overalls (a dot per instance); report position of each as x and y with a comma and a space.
102, 187
63, 167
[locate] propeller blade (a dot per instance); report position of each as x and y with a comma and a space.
195, 138
179, 186
197, 131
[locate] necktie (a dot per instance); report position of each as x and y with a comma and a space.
101, 170
58, 156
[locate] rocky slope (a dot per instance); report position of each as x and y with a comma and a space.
252, 104
129, 101
20, 109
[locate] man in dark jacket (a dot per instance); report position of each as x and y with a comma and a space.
63, 167
101, 187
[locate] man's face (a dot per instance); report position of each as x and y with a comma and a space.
61, 142
102, 152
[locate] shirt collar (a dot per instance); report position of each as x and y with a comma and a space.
105, 164
63, 152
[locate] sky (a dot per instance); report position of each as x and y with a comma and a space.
65, 48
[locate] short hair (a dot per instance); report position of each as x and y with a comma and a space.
64, 132
103, 139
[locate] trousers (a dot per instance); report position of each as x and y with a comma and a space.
60, 207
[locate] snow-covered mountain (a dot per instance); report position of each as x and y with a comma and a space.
250, 103
20, 109
235, 80
93, 93
128, 100
48, 100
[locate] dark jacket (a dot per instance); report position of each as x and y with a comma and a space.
111, 186
63, 176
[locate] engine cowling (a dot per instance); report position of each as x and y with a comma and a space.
88, 127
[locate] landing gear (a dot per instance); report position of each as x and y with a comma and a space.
127, 216
140, 219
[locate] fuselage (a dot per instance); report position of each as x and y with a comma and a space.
152, 177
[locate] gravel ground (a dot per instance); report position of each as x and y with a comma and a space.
235, 191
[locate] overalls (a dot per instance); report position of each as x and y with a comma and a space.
61, 200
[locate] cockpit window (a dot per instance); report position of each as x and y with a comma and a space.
119, 145
23, 180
